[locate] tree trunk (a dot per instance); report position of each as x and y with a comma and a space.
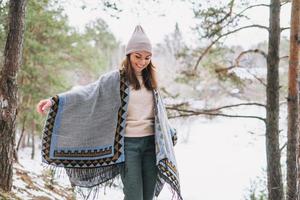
8, 90
27, 144
275, 186
23, 142
21, 139
291, 193
32, 139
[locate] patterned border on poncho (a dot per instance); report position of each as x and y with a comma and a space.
48, 130
167, 171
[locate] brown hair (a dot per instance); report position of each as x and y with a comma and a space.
149, 75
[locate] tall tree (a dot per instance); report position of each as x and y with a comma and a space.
53, 51
8, 90
293, 106
274, 175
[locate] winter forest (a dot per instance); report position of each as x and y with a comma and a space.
227, 71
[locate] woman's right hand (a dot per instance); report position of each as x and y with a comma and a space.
43, 105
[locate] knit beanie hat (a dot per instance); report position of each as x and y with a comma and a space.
138, 41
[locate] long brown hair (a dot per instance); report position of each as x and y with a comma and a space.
149, 75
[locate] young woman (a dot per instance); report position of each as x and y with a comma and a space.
116, 125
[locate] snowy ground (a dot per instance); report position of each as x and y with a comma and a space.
216, 160
32, 181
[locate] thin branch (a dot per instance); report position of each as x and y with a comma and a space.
231, 4
177, 105
220, 70
284, 3
285, 28
283, 57
174, 107
257, 78
223, 35
245, 27
240, 13
253, 6
258, 51
192, 113
236, 105
227, 14
213, 111
237, 63
283, 146
205, 52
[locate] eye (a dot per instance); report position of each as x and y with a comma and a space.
138, 57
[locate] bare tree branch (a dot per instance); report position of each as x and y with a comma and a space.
283, 146
240, 14
205, 52
245, 27
223, 35
284, 3
194, 113
252, 6
174, 106
261, 52
258, 51
231, 4
237, 63
236, 105
225, 69
257, 78
214, 111
283, 57
285, 28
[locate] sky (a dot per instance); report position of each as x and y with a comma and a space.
159, 19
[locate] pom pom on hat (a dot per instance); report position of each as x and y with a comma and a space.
138, 41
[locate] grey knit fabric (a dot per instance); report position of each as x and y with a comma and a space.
138, 41
82, 110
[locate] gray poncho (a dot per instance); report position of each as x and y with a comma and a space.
84, 133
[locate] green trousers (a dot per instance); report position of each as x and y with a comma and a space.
140, 171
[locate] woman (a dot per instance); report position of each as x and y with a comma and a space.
116, 125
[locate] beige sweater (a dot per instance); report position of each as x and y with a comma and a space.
140, 114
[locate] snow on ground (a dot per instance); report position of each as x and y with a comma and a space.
216, 159
220, 159
32, 181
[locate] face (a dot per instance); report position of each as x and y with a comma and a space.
139, 60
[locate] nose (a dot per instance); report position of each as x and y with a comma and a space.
142, 62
